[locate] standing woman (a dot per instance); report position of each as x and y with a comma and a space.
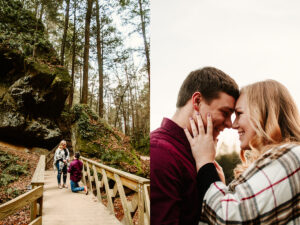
266, 189
61, 159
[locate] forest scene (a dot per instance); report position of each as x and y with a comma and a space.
72, 70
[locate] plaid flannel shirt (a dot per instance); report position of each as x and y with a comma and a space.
268, 192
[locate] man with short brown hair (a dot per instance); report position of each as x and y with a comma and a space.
175, 198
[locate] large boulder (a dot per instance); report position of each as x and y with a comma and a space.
33, 91
32, 96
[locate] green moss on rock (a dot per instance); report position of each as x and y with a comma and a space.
31, 88
96, 139
21, 31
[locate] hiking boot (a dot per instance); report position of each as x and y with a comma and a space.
65, 186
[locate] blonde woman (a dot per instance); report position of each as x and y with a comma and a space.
61, 159
266, 189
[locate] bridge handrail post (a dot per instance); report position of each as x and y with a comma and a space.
141, 186
147, 201
50, 156
34, 197
19, 202
38, 179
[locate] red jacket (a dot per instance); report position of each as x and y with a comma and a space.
173, 177
75, 170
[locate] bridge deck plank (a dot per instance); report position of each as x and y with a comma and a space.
61, 206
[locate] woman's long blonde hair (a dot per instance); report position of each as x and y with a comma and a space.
61, 143
274, 117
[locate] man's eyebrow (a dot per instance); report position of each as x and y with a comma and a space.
226, 108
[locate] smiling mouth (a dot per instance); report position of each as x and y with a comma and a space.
241, 133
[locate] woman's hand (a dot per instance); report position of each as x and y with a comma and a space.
202, 144
220, 172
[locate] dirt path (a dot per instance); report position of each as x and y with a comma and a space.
61, 206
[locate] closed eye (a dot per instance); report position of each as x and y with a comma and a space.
237, 113
226, 113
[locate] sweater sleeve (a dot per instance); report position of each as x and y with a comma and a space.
260, 196
56, 156
68, 156
207, 175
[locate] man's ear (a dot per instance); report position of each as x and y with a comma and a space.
196, 99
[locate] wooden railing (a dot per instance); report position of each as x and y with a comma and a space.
110, 183
33, 197
50, 156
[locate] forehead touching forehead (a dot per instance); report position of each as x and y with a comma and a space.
223, 101
209, 81
241, 102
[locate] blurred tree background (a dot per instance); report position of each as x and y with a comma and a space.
105, 47
228, 158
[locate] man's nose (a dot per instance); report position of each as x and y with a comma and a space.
228, 123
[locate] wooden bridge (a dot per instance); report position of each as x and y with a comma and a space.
54, 206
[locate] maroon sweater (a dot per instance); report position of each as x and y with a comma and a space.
75, 170
173, 177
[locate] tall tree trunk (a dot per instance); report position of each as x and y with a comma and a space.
73, 56
97, 105
63, 44
137, 117
120, 103
132, 112
36, 28
100, 61
81, 76
80, 83
125, 114
108, 112
146, 45
92, 94
36, 8
131, 101
86, 52
125, 120
42, 11
117, 113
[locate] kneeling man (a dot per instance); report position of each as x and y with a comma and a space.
75, 171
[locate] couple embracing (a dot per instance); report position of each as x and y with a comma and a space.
187, 184
61, 163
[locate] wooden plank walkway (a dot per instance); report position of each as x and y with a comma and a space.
63, 207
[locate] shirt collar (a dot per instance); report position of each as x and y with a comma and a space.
175, 130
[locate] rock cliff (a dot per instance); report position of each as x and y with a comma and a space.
33, 90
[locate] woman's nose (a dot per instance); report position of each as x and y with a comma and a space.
235, 124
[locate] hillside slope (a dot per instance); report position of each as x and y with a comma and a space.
95, 139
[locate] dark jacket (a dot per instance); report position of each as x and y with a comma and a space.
75, 170
176, 197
